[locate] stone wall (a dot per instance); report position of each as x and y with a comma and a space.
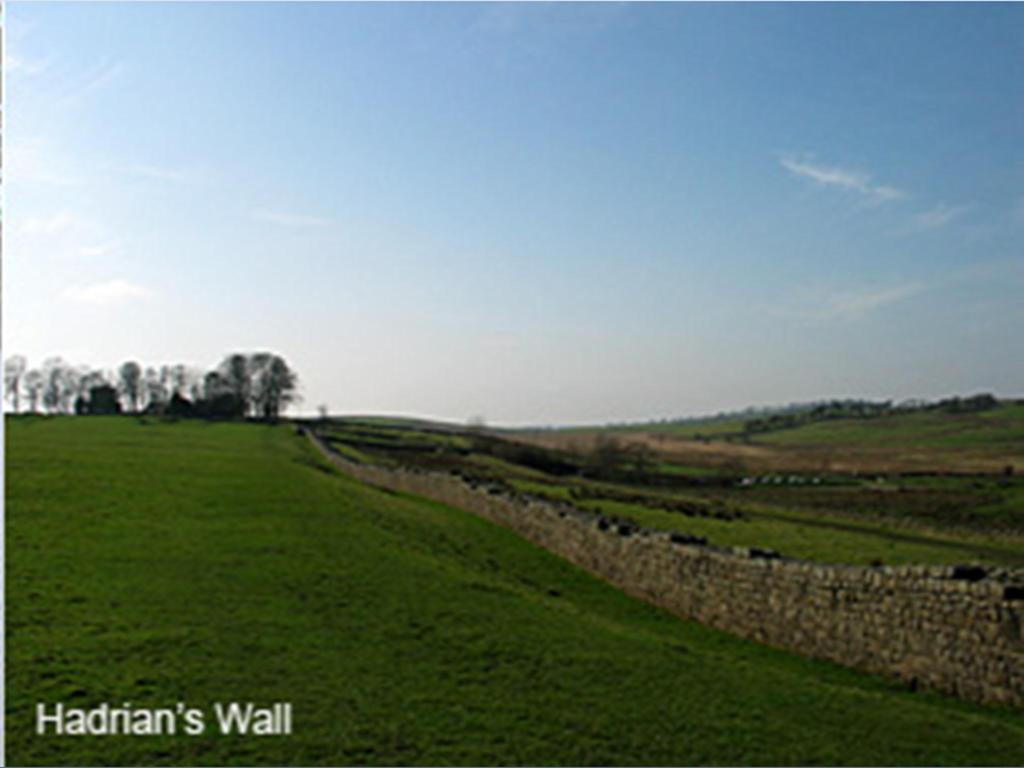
957, 629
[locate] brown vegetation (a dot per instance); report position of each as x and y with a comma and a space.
751, 457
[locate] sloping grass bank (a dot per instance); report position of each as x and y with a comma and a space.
193, 562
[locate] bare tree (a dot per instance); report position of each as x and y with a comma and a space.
60, 384
260, 384
188, 381
14, 369
130, 382
196, 383
179, 380
70, 388
153, 386
51, 384
167, 381
86, 379
34, 383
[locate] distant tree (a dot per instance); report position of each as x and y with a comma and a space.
196, 385
167, 382
235, 370
89, 380
51, 384
72, 386
273, 387
982, 402
155, 389
85, 383
640, 458
607, 455
183, 380
130, 383
14, 370
256, 366
213, 385
60, 385
260, 384
610, 456
34, 384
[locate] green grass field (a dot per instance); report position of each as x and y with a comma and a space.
806, 535
157, 563
846, 519
992, 429
997, 430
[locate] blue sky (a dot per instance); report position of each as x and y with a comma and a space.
534, 213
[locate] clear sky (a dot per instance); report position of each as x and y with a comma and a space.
537, 214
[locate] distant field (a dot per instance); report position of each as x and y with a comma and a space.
698, 428
156, 563
999, 432
934, 428
807, 536
985, 442
839, 518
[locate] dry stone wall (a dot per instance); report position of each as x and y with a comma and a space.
957, 629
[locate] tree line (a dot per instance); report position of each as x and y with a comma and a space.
257, 385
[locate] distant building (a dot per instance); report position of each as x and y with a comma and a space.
102, 401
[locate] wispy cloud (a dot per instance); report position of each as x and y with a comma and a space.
99, 249
853, 304
16, 65
89, 81
842, 178
162, 173
523, 34
54, 224
108, 292
64, 231
938, 216
849, 304
290, 219
35, 161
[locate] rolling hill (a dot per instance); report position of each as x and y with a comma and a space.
155, 563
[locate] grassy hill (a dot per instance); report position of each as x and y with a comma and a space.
157, 563
998, 430
983, 444
936, 426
